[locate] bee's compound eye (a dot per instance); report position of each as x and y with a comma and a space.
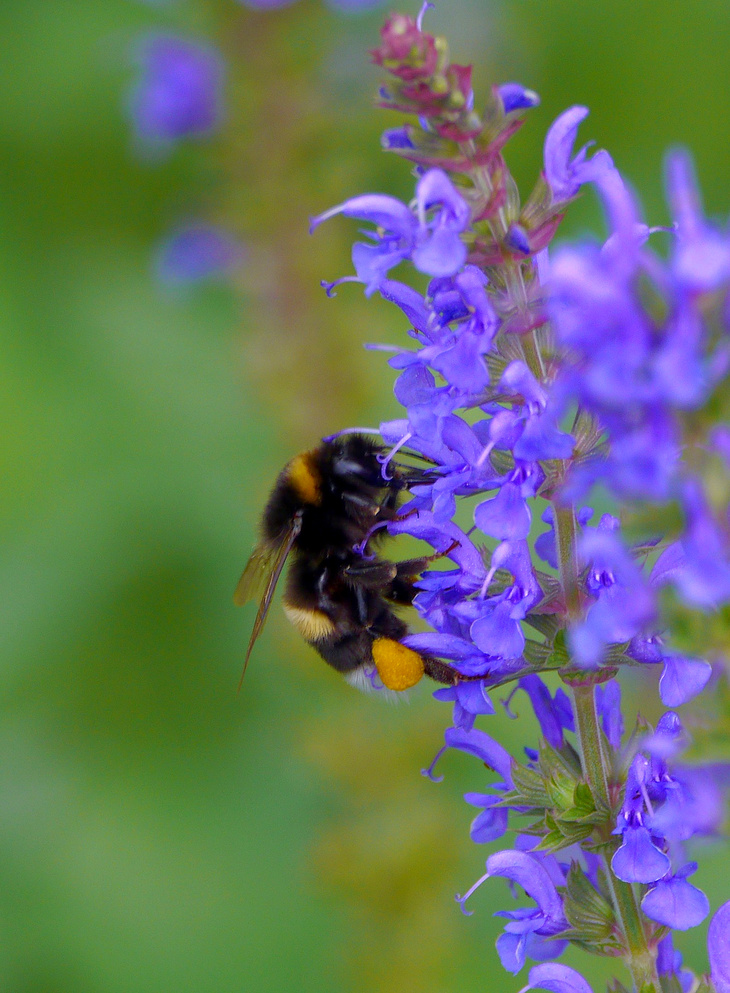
399, 667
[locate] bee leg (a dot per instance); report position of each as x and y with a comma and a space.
401, 589
440, 672
370, 575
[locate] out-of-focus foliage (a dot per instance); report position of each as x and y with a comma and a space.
156, 830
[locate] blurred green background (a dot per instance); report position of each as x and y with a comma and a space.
157, 831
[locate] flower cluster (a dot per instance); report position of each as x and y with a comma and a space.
528, 381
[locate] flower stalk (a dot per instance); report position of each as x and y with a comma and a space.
504, 343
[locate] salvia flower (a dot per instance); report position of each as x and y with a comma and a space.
195, 253
428, 236
179, 91
718, 946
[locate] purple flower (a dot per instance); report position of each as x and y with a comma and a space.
669, 964
514, 96
702, 253
608, 705
675, 902
195, 253
266, 4
528, 930
624, 603
682, 679
565, 175
718, 946
430, 238
553, 714
470, 699
557, 978
638, 860
179, 92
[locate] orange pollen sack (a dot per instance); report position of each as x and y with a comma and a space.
398, 667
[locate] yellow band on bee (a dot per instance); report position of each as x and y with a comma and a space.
398, 667
313, 625
305, 478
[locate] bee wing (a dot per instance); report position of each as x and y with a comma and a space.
252, 584
259, 579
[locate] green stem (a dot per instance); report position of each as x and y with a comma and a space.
565, 538
532, 353
589, 740
639, 957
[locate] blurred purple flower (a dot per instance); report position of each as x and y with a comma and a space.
196, 253
718, 946
178, 93
343, 6
266, 4
669, 964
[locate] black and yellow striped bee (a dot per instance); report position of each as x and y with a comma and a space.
339, 595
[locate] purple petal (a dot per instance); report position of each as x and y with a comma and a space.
559, 169
676, 903
608, 702
461, 364
517, 378
638, 860
379, 209
479, 744
545, 709
490, 825
446, 646
514, 96
702, 259
542, 439
496, 633
511, 951
394, 138
410, 302
557, 978
441, 254
718, 947
506, 516
527, 871
682, 679
434, 188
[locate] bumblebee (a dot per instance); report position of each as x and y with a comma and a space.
338, 595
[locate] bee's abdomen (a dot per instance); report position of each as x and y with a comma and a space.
313, 625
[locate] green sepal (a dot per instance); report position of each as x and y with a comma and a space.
537, 653
547, 624
669, 983
560, 835
530, 786
614, 986
560, 656
561, 789
588, 912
